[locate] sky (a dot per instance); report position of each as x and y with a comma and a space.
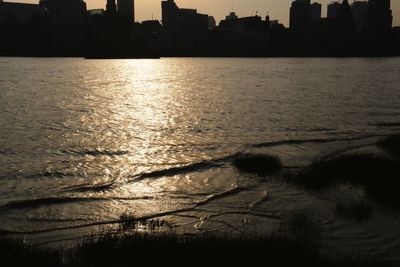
277, 9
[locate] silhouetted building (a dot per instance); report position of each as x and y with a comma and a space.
98, 11
245, 36
111, 36
211, 23
300, 14
153, 26
346, 33
345, 15
231, 16
150, 36
175, 19
115, 35
316, 11
333, 9
337, 35
52, 28
246, 24
396, 33
65, 10
126, 8
170, 15
193, 21
359, 10
378, 23
111, 7
274, 24
66, 33
184, 30
300, 26
20, 13
22, 29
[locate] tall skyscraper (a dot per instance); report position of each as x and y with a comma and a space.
380, 14
300, 14
316, 11
170, 15
333, 9
126, 8
378, 23
111, 7
344, 15
359, 9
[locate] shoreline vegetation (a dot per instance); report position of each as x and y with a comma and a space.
299, 241
257, 163
378, 175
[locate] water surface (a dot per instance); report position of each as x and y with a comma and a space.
82, 142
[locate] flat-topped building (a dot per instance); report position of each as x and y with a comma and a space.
20, 13
175, 19
66, 10
126, 8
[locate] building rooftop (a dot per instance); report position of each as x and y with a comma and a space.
20, 13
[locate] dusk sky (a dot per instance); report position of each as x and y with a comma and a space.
278, 9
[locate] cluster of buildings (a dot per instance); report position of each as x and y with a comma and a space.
67, 28
363, 27
185, 32
49, 28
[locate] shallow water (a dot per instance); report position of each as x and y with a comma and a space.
82, 142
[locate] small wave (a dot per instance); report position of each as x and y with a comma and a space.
92, 188
58, 220
34, 203
292, 142
5, 151
264, 197
178, 170
387, 124
58, 174
315, 140
96, 152
227, 193
51, 128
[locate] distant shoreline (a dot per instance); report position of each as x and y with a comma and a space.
203, 56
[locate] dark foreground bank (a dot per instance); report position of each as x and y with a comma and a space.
172, 250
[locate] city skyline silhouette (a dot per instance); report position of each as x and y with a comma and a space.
70, 28
277, 9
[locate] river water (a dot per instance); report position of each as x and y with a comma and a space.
82, 142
